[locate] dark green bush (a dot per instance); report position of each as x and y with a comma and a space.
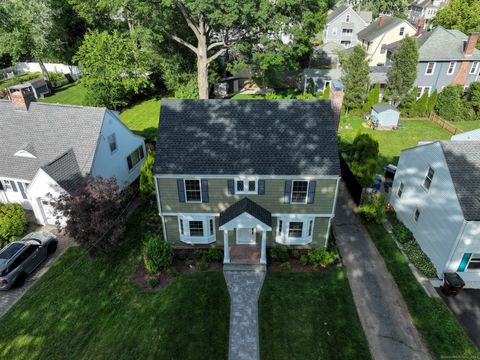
286, 266
13, 222
296, 254
279, 253
181, 255
198, 254
402, 233
321, 257
157, 253
202, 266
373, 209
152, 281
303, 260
212, 255
188, 263
172, 271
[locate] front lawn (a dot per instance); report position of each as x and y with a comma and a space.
440, 330
90, 309
392, 142
310, 316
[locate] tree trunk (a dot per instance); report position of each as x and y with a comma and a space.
202, 68
46, 76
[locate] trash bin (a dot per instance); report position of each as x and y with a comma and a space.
452, 284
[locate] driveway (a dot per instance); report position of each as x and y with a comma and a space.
10, 297
466, 308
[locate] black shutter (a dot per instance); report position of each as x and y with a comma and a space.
311, 191
204, 190
261, 187
181, 190
288, 190
1, 186
231, 187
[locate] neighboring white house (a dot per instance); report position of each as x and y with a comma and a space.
436, 194
383, 31
469, 135
47, 149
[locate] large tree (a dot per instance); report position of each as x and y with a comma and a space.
403, 72
355, 77
463, 15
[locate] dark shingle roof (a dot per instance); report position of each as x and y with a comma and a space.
65, 171
383, 107
374, 30
51, 130
463, 160
336, 12
259, 137
248, 206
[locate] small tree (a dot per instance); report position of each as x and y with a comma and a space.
147, 185
450, 104
310, 88
473, 98
432, 101
373, 97
364, 158
13, 222
355, 77
403, 72
157, 253
422, 105
94, 214
409, 104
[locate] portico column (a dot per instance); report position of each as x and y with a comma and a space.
226, 248
263, 254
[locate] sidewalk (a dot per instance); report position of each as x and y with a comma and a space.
382, 311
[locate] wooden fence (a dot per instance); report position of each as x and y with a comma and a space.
444, 124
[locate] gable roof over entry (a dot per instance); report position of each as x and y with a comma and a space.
245, 206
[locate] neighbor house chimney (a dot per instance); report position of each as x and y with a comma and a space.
21, 96
336, 100
470, 44
381, 20
420, 26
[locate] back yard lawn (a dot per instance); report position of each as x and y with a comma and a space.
71, 94
310, 316
90, 309
467, 125
394, 141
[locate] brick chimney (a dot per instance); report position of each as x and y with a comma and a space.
420, 26
336, 100
381, 20
469, 45
21, 96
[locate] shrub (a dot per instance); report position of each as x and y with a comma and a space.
202, 266
296, 254
147, 186
402, 233
303, 260
419, 259
188, 263
364, 158
373, 209
198, 254
451, 104
172, 271
286, 266
321, 257
13, 222
157, 253
279, 253
152, 281
212, 255
181, 255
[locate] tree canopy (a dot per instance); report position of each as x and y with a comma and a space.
355, 77
463, 15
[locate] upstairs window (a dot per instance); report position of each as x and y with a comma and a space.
347, 19
474, 68
246, 186
402, 31
299, 192
430, 68
451, 67
428, 178
400, 189
295, 229
135, 157
112, 142
193, 191
347, 32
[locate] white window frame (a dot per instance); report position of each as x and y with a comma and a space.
207, 237
433, 68
417, 210
474, 260
400, 189
283, 226
7, 186
349, 32
346, 43
419, 94
139, 161
306, 196
429, 178
347, 18
112, 135
474, 68
246, 190
185, 191
402, 31
450, 71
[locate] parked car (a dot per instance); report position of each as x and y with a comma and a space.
20, 258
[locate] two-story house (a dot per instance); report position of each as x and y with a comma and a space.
242, 173
424, 9
46, 149
446, 57
383, 31
343, 25
436, 194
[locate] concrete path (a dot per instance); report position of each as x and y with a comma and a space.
10, 297
244, 288
383, 313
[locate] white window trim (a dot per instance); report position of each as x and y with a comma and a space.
419, 214
187, 238
245, 186
469, 261
282, 237
185, 191
425, 178
140, 162
474, 68
433, 69
306, 197
453, 69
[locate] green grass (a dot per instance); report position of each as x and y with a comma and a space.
392, 142
142, 118
283, 94
90, 309
71, 94
467, 125
309, 316
442, 333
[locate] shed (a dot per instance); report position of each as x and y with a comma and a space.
384, 116
39, 86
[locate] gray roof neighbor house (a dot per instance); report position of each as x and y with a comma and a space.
243, 137
375, 29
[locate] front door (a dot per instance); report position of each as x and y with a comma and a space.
48, 211
245, 236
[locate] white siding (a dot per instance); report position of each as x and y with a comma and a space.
15, 197
441, 217
469, 135
107, 164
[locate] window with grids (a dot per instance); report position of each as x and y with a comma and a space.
196, 228
246, 187
135, 157
474, 263
428, 178
193, 191
299, 192
430, 68
451, 68
400, 190
474, 68
295, 229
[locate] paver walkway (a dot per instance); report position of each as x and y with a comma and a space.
244, 288
383, 313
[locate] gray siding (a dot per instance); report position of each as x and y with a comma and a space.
439, 78
356, 23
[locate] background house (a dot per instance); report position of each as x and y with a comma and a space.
446, 57
381, 32
424, 9
436, 194
47, 148
343, 25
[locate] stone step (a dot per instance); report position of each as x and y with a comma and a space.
244, 267
245, 262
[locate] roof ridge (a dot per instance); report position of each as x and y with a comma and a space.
68, 105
